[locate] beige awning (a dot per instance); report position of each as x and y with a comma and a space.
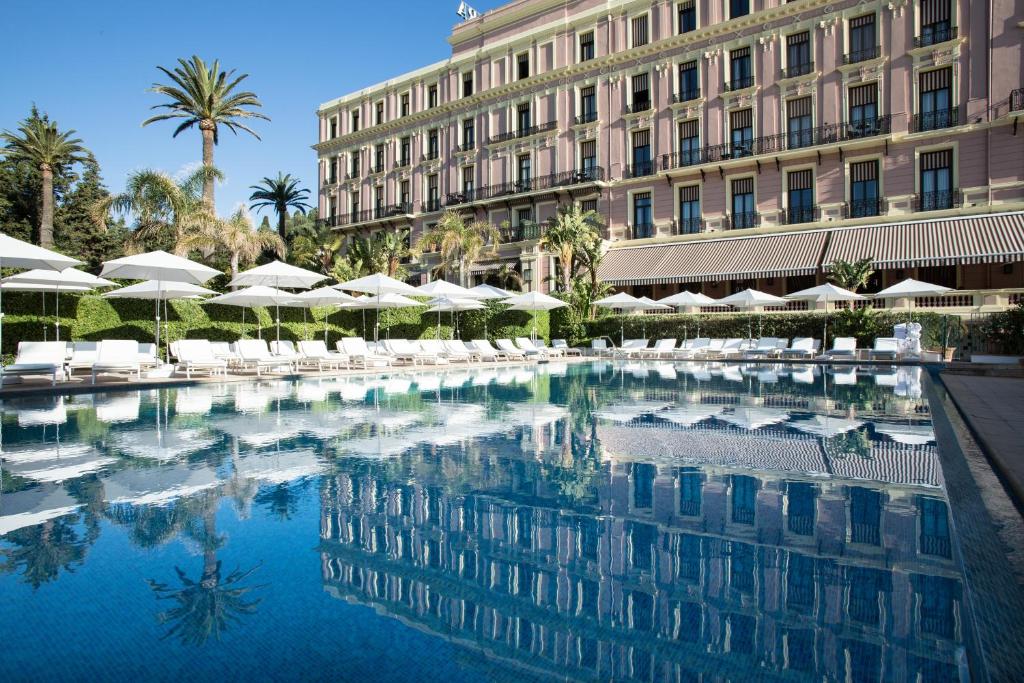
995, 238
730, 258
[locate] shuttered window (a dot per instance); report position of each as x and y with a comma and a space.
743, 186
641, 138
587, 93
744, 118
934, 11
940, 79
690, 193
799, 107
859, 22
740, 53
640, 87
863, 94
798, 38
640, 30
588, 205
588, 149
801, 180
689, 129
940, 159
863, 171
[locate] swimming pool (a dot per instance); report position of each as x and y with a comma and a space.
597, 521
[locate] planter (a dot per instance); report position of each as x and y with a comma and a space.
160, 372
948, 353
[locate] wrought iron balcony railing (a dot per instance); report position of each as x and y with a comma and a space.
689, 226
862, 55
798, 70
739, 84
642, 230
743, 220
935, 120
524, 132
466, 146
586, 117
1017, 99
431, 205
637, 106
639, 169
525, 231
795, 215
862, 208
686, 96
935, 36
545, 182
430, 155
402, 163
377, 168
937, 201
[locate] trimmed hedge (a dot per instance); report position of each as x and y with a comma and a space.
91, 317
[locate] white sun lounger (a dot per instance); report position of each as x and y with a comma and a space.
802, 347
484, 346
405, 350
563, 346
766, 347
117, 356
630, 348
196, 355
886, 348
315, 352
691, 348
507, 346
83, 355
39, 358
842, 347
543, 347
662, 347
600, 347
439, 349
358, 352
459, 347
253, 353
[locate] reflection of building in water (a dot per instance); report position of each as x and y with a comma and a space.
686, 569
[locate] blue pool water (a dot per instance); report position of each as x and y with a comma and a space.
640, 522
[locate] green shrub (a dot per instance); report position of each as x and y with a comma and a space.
1006, 330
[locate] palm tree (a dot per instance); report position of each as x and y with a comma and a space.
39, 142
365, 256
318, 248
563, 237
280, 194
459, 242
508, 277
237, 238
205, 96
393, 246
852, 276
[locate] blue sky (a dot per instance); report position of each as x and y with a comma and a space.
89, 65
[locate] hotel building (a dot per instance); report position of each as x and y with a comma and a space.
727, 143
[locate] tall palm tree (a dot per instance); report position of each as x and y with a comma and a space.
237, 238
508, 277
279, 194
39, 142
365, 255
318, 248
394, 247
205, 96
852, 275
460, 242
564, 236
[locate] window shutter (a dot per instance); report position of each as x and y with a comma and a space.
801, 180
743, 186
587, 92
641, 138
798, 38
640, 30
641, 196
940, 159
863, 94
865, 20
740, 53
639, 83
799, 107
689, 129
743, 118
934, 11
588, 149
864, 170
936, 80
687, 66
690, 193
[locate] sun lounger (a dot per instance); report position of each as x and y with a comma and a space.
529, 348
802, 347
550, 351
196, 355
689, 348
484, 346
563, 346
222, 350
886, 348
662, 347
253, 353
315, 352
39, 358
459, 347
713, 349
630, 348
733, 347
83, 355
600, 348
117, 356
766, 347
285, 350
507, 346
439, 349
407, 351
842, 347
358, 352
148, 356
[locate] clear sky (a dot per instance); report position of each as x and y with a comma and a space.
89, 65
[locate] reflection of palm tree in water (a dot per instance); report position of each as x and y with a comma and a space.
207, 606
41, 551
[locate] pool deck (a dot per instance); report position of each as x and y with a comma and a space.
993, 408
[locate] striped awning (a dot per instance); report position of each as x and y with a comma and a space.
996, 238
716, 259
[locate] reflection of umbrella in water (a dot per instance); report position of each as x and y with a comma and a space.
825, 426
157, 485
688, 416
625, 412
910, 435
753, 418
35, 505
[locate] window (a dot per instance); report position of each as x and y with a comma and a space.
468, 134
404, 196
934, 527
404, 106
333, 127
641, 92
801, 499
689, 143
467, 84
798, 55
687, 16
588, 159
800, 196
355, 164
689, 210
743, 212
741, 126
432, 143
863, 43
523, 175
586, 46
523, 118
588, 205
643, 219
468, 181
689, 83
740, 70
524, 216
433, 194
937, 180
522, 65
935, 100
588, 105
640, 36
642, 154
431, 96
798, 123
800, 582
739, 8
864, 200
691, 486
405, 151
744, 498
353, 204
644, 475
378, 201
935, 23
864, 110
355, 121
378, 158
332, 175
378, 113
865, 515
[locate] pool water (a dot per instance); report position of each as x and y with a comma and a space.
596, 521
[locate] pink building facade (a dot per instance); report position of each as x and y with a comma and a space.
726, 144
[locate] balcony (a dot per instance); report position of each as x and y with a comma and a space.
773, 144
862, 55
525, 231
639, 170
637, 106
431, 205
686, 96
742, 220
586, 117
739, 84
798, 70
354, 175
402, 163
937, 201
935, 36
642, 230
862, 208
935, 120
524, 132
466, 146
377, 168
795, 215
430, 156
333, 180
546, 182
689, 226
1017, 99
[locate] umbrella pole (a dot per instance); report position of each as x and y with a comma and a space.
156, 305
167, 335
242, 333
325, 326
43, 295
57, 321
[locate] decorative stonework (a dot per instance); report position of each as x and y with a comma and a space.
828, 24
897, 7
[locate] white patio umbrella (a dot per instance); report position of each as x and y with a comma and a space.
57, 281
160, 267
439, 288
534, 301
277, 274
44, 290
324, 296
650, 305
159, 290
911, 288
378, 285
383, 302
749, 299
622, 301
489, 292
15, 253
249, 297
447, 304
826, 293
685, 299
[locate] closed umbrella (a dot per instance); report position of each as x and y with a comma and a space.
159, 290
257, 295
378, 285
534, 301
277, 274
324, 296
15, 253
749, 299
826, 293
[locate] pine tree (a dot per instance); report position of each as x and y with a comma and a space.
75, 231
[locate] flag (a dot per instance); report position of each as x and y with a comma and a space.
466, 12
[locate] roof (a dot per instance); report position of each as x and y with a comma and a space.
707, 260
991, 238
